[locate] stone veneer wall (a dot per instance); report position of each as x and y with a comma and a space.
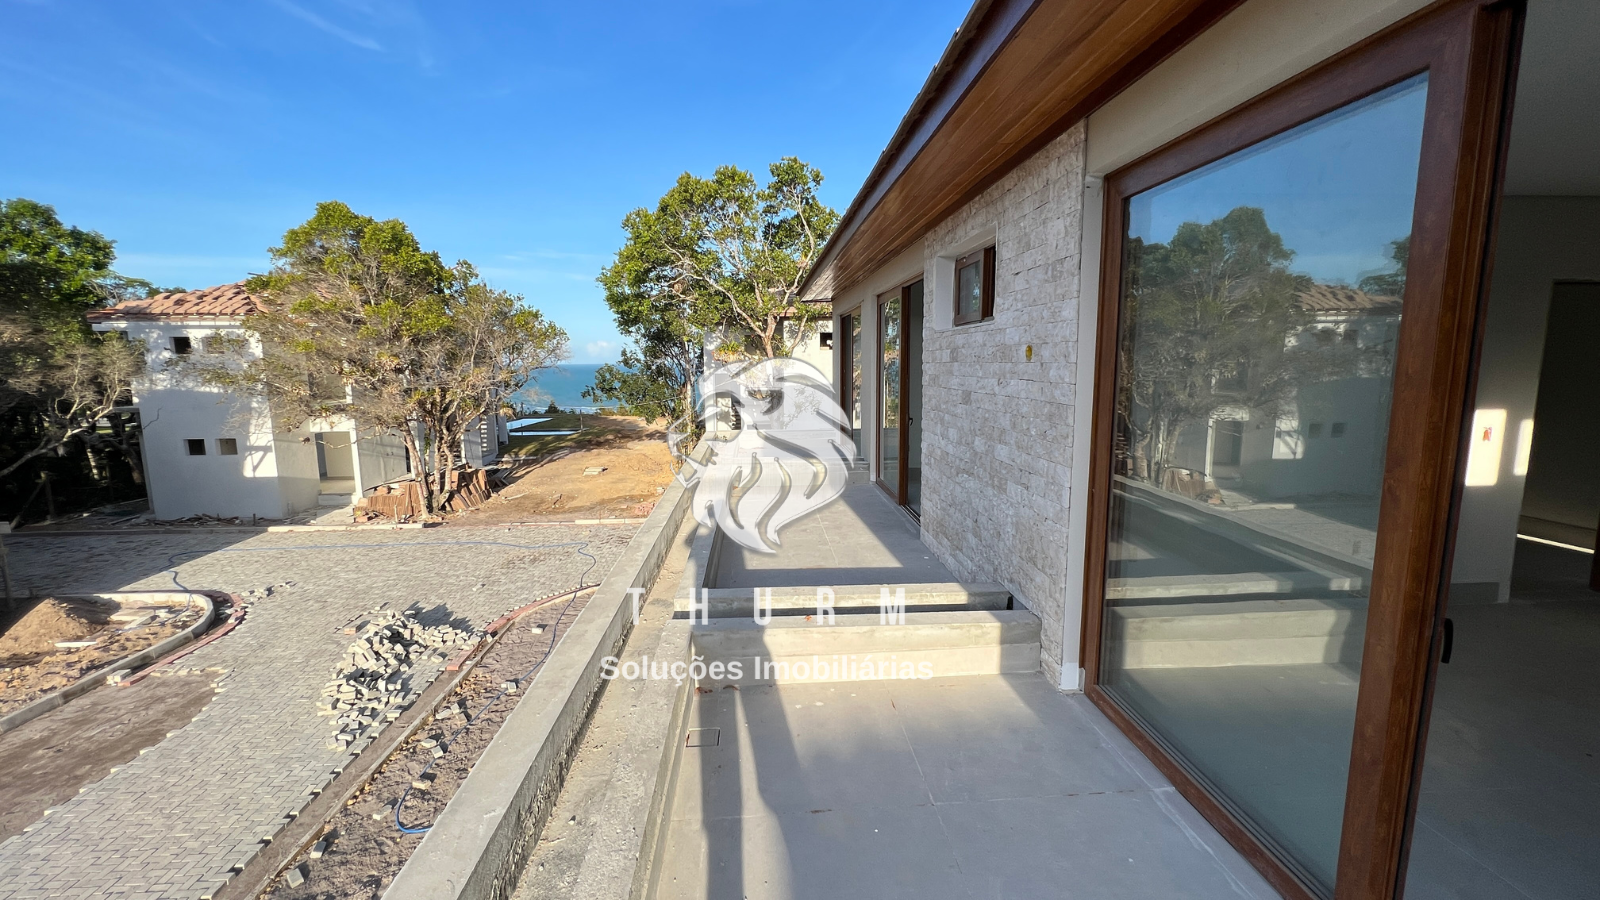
997, 428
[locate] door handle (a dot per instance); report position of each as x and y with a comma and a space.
1449, 641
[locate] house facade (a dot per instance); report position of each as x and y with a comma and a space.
1213, 331
208, 451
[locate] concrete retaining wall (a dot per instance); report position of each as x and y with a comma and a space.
480, 842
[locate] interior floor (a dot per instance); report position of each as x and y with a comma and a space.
1510, 802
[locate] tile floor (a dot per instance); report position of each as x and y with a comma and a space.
979, 787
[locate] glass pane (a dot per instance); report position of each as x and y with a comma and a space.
1260, 309
855, 380
889, 391
969, 290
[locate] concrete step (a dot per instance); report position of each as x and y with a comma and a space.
854, 598
334, 499
859, 473
858, 647
1236, 633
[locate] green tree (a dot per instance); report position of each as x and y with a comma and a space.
1393, 282
1209, 317
360, 321
58, 378
720, 255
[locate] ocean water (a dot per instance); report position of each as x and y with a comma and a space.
564, 384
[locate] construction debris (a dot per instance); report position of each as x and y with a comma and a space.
467, 489
369, 686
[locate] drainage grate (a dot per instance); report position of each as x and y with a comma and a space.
703, 737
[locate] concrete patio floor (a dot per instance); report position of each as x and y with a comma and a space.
974, 787
860, 538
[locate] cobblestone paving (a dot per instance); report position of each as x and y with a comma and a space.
172, 823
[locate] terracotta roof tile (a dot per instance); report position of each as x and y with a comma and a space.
1337, 298
223, 301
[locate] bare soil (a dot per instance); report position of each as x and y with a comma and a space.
547, 481
32, 666
50, 759
364, 853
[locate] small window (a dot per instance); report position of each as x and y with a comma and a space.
227, 446
1337, 430
974, 289
181, 345
1315, 430
197, 446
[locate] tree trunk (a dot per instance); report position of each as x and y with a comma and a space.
419, 468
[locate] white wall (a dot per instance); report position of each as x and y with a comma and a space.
1541, 240
173, 409
380, 459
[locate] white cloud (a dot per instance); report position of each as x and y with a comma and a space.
319, 22
598, 349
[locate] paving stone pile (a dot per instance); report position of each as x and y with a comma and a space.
369, 685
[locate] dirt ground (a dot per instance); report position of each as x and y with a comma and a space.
365, 853
48, 760
547, 483
31, 665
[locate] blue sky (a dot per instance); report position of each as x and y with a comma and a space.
1339, 189
515, 135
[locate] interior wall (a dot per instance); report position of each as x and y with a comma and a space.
1563, 481
1542, 240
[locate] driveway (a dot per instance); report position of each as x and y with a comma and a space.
177, 819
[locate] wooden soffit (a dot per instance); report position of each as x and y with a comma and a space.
1016, 76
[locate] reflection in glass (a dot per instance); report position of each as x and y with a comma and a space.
889, 391
1261, 305
911, 404
854, 362
969, 289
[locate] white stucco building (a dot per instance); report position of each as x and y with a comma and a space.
211, 452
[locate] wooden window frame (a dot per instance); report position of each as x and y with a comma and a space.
985, 260
1468, 47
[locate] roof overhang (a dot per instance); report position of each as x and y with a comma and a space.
1016, 75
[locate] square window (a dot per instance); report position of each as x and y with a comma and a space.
181, 345
197, 446
974, 287
227, 446
1315, 430
1337, 430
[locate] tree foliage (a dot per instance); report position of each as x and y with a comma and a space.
58, 379
1208, 319
361, 321
720, 255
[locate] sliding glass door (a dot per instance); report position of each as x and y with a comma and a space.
891, 347
1262, 295
1288, 295
900, 395
850, 376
